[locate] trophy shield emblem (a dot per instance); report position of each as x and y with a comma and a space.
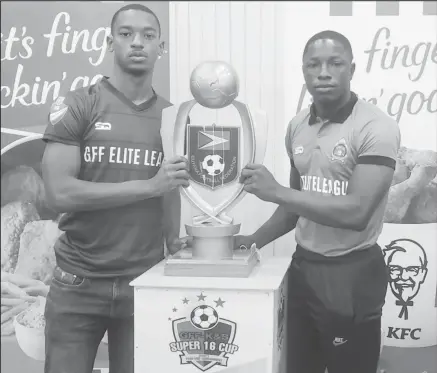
216, 152
213, 154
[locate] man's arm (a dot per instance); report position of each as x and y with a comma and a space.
66, 193
377, 144
367, 186
282, 221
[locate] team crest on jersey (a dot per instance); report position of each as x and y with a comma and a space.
57, 110
213, 152
340, 150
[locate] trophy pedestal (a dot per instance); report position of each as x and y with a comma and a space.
246, 332
183, 264
212, 254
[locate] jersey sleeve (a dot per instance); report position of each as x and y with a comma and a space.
288, 141
68, 118
379, 142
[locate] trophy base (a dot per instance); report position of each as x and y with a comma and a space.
183, 264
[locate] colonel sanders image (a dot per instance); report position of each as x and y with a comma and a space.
407, 265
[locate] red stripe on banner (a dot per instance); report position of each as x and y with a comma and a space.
430, 8
382, 8
340, 8
387, 8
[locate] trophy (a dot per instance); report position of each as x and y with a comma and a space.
216, 153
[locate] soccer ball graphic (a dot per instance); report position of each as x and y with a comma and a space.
214, 84
213, 164
204, 317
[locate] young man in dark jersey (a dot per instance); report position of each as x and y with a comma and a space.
343, 154
104, 168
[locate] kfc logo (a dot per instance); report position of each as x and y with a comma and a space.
407, 264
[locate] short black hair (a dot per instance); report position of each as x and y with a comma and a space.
135, 7
333, 35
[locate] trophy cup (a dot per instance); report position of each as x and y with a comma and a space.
216, 154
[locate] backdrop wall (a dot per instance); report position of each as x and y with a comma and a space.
395, 53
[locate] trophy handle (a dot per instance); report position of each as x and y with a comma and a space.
249, 156
173, 140
167, 130
259, 122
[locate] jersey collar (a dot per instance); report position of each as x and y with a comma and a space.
340, 116
144, 106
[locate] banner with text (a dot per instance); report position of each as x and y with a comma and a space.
52, 47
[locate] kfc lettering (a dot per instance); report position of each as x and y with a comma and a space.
403, 333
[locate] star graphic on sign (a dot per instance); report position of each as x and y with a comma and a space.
185, 301
175, 309
169, 319
201, 297
219, 302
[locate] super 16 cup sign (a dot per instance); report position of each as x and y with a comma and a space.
213, 152
204, 339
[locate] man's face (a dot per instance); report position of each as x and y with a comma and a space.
328, 70
135, 41
406, 275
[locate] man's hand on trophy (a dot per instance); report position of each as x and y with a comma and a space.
258, 180
243, 242
176, 244
172, 174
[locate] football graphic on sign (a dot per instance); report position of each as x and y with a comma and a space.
204, 317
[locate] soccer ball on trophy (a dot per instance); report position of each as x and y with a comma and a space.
214, 84
204, 317
213, 164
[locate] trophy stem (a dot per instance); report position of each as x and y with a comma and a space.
213, 242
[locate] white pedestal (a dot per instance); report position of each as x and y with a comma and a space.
243, 328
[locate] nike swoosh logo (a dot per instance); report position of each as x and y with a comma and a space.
338, 343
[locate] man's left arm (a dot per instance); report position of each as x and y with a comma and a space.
377, 146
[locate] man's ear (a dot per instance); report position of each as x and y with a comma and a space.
110, 42
352, 70
162, 49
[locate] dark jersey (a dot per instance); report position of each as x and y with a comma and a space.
119, 141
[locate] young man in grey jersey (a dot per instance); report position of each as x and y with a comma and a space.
342, 153
104, 168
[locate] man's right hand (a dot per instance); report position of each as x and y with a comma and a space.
243, 242
172, 174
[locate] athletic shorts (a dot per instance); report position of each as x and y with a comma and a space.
334, 311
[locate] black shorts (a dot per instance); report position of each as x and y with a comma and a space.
334, 311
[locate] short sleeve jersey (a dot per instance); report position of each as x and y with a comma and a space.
326, 152
119, 141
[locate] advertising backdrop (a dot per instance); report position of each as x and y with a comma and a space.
51, 47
